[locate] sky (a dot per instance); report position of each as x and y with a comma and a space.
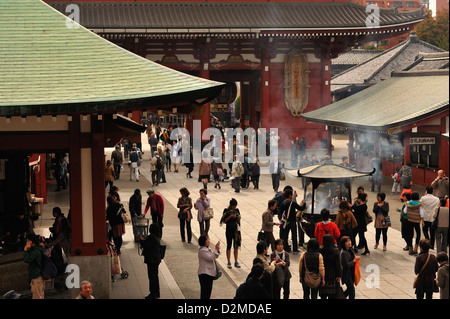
433, 6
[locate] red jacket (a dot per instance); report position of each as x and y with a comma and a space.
328, 228
156, 205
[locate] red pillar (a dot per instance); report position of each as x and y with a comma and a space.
206, 117
245, 93
252, 111
265, 93
79, 140
98, 194
325, 96
75, 184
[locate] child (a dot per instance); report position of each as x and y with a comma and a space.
282, 274
396, 187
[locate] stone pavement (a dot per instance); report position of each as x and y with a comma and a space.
178, 271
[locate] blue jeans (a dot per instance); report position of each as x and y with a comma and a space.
376, 179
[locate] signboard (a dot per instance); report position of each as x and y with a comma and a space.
422, 140
296, 82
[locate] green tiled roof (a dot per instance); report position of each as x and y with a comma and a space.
403, 99
46, 67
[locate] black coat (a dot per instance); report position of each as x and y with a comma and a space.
135, 206
292, 215
151, 250
113, 214
332, 263
359, 211
348, 266
254, 289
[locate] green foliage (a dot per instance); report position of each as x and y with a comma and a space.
435, 30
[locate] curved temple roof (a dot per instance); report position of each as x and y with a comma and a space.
231, 14
51, 65
328, 172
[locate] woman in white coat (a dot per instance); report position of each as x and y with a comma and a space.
206, 266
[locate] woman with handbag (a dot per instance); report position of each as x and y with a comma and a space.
333, 269
207, 270
311, 263
381, 210
200, 205
425, 268
184, 214
114, 213
232, 218
217, 171
204, 171
348, 259
346, 221
360, 210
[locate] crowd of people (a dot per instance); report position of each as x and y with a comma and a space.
332, 254
330, 258
341, 236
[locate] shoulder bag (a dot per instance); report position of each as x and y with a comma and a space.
284, 218
312, 279
261, 236
208, 212
218, 271
368, 218
435, 221
125, 216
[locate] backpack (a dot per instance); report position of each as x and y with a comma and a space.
159, 164
346, 221
134, 157
239, 169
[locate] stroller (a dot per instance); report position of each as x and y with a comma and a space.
116, 268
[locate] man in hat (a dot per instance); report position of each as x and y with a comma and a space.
155, 203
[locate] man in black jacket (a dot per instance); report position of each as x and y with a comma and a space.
288, 209
152, 257
135, 204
